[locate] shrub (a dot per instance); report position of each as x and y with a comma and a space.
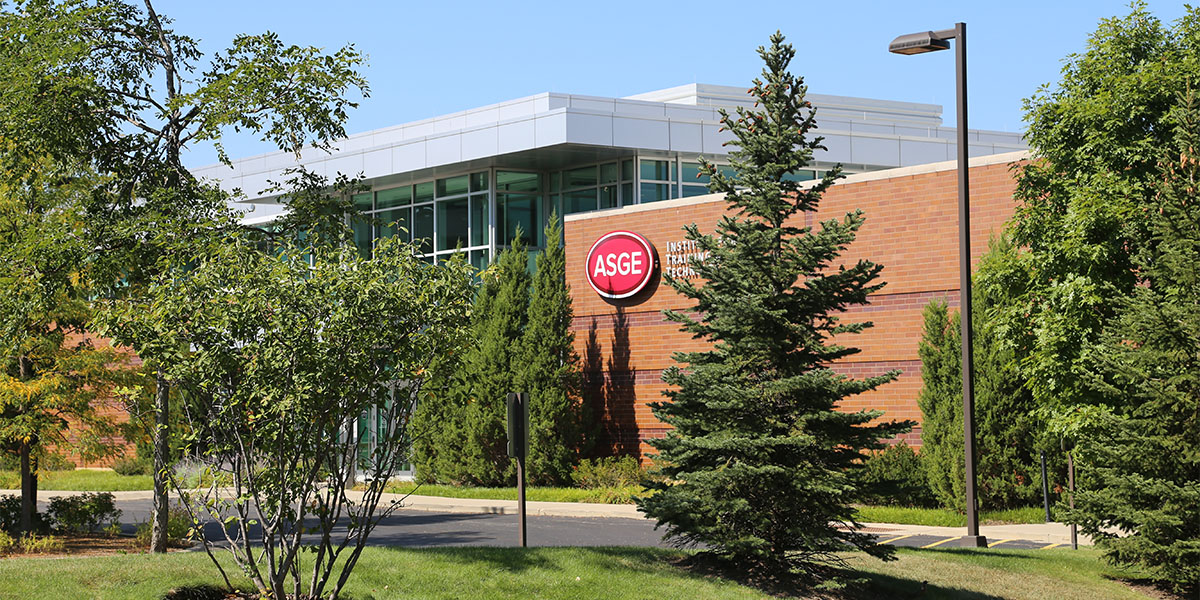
133, 466
896, 477
7, 543
179, 528
83, 513
609, 472
10, 516
43, 544
55, 462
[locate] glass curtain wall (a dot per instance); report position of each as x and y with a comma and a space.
592, 187
442, 217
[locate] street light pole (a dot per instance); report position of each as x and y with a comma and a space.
930, 41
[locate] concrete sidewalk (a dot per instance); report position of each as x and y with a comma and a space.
1050, 533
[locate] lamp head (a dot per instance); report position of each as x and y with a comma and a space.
918, 43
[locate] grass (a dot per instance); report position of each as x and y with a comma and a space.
80, 480
620, 495
601, 573
942, 517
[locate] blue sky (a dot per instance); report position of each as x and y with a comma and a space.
432, 58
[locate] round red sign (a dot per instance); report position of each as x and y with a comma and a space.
620, 264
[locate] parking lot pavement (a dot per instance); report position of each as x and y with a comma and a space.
428, 522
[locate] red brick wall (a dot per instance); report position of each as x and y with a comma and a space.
911, 228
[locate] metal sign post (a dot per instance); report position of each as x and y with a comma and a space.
518, 447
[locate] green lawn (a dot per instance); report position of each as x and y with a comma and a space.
570, 573
622, 495
80, 480
947, 518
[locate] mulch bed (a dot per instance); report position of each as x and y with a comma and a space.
89, 545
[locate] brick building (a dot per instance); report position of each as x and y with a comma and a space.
467, 182
911, 228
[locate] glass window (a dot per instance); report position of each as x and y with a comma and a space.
579, 201
513, 181
653, 192
423, 192
555, 181
422, 230
608, 173
577, 178
362, 236
519, 211
694, 190
394, 197
608, 196
362, 201
395, 222
479, 181
479, 259
660, 170
452, 186
479, 220
626, 170
626, 194
692, 174
452, 224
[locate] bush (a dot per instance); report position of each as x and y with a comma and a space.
10, 516
609, 472
55, 462
83, 513
895, 477
45, 544
179, 528
133, 466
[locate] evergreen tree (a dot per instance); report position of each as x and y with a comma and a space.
550, 368
1143, 507
940, 401
758, 464
1008, 435
459, 430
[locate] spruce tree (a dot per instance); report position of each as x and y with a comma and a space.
1143, 507
550, 368
757, 467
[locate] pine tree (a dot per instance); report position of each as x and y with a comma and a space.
550, 368
1142, 508
757, 467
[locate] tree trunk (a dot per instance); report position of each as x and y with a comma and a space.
28, 491
158, 518
28, 465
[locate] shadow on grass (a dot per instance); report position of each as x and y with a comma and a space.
828, 583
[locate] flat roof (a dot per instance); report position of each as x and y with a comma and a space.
554, 130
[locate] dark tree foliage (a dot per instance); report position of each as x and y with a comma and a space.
1008, 434
758, 466
1144, 506
940, 401
459, 431
550, 369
